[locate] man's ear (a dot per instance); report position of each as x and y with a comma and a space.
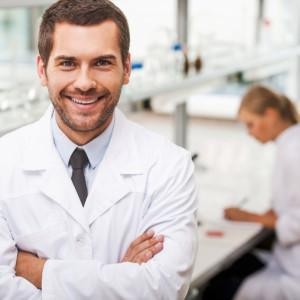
127, 69
41, 69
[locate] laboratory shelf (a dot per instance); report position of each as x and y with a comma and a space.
182, 87
250, 61
179, 89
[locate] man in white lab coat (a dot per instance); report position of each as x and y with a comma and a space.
66, 229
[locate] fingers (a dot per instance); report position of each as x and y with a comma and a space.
149, 244
147, 254
237, 214
132, 250
231, 213
144, 247
148, 249
227, 213
144, 237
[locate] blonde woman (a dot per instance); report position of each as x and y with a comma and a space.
270, 116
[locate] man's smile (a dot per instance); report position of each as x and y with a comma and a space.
84, 100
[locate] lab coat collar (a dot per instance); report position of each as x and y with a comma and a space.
121, 158
123, 149
40, 152
42, 159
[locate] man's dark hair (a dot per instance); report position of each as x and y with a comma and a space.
82, 13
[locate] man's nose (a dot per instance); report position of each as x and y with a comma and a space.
85, 81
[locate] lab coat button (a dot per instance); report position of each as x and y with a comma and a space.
80, 239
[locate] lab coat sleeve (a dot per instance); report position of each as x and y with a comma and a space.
288, 228
12, 286
288, 223
171, 211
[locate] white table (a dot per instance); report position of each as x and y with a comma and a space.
215, 253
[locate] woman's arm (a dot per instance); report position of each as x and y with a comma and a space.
268, 219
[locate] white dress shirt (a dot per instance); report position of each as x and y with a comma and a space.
95, 149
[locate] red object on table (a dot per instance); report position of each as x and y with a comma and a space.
215, 233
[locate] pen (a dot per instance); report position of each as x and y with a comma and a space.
242, 202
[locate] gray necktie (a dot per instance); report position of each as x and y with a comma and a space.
78, 162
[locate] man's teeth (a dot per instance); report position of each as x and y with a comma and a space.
85, 102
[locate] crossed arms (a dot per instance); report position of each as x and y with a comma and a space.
164, 275
141, 250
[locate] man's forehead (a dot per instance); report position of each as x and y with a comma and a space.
94, 40
107, 25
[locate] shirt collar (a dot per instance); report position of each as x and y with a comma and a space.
95, 149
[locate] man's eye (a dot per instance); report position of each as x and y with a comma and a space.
103, 63
67, 64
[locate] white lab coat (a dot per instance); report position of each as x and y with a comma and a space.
280, 280
143, 182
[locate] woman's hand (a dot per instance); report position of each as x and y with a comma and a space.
267, 219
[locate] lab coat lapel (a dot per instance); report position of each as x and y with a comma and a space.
110, 185
42, 158
57, 185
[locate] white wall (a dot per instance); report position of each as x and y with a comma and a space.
151, 23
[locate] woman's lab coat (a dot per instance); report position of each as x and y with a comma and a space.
143, 182
280, 280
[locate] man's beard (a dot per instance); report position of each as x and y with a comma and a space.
100, 122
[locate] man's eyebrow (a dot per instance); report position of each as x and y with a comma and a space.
108, 56
64, 57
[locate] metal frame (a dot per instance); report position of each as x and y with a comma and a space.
180, 117
260, 17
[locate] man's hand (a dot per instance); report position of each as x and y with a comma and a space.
144, 248
30, 267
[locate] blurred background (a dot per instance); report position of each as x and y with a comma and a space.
171, 40
191, 62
